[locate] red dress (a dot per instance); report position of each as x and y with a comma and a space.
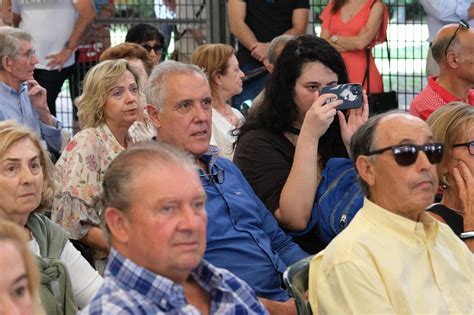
355, 60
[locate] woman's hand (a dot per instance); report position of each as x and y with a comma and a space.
356, 118
320, 115
465, 182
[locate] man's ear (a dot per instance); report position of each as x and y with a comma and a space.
153, 114
365, 169
118, 224
452, 59
7, 63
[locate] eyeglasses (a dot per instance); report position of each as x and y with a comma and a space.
462, 25
157, 48
215, 177
469, 145
406, 154
29, 54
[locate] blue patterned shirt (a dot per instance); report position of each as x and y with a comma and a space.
131, 289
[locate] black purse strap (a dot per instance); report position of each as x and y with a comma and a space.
367, 76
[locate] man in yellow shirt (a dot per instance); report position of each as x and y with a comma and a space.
393, 258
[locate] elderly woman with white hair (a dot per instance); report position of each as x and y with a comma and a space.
26, 189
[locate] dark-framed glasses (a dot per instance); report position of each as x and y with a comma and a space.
406, 154
469, 145
216, 176
157, 48
462, 25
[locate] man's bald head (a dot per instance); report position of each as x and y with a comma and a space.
443, 37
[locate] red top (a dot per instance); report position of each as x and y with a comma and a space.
433, 97
355, 60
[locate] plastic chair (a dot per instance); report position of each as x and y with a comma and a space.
296, 280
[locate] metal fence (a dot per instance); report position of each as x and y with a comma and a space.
407, 33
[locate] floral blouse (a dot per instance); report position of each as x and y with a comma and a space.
79, 174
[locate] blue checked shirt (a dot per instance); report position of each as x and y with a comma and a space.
131, 289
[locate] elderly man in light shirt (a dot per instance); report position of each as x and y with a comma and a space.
393, 258
21, 97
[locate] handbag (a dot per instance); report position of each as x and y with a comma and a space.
384, 101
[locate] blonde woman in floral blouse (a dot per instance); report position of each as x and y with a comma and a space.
106, 109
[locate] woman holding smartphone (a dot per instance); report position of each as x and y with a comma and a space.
287, 141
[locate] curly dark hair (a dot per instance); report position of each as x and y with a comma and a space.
278, 110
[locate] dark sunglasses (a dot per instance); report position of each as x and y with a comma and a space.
157, 48
469, 145
406, 154
462, 25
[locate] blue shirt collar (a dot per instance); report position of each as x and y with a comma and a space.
167, 293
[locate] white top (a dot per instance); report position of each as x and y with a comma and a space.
85, 280
442, 12
222, 133
50, 22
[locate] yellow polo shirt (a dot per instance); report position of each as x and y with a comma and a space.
383, 263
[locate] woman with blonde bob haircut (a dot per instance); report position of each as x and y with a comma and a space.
26, 189
137, 57
107, 108
453, 125
18, 286
225, 80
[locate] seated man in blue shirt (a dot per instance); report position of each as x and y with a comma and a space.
21, 97
156, 222
242, 235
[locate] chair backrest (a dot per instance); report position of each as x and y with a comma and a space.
296, 280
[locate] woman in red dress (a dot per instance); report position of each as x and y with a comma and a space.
352, 26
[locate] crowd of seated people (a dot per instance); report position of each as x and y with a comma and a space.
144, 210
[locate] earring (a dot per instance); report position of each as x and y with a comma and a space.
444, 181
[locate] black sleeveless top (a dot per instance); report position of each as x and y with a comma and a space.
453, 219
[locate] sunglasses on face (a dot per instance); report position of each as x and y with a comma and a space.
406, 154
157, 48
469, 145
462, 25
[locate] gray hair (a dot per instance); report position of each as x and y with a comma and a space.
10, 38
276, 43
119, 186
363, 140
155, 89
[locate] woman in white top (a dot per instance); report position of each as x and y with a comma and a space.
225, 80
68, 282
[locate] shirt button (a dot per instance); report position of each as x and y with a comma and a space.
163, 303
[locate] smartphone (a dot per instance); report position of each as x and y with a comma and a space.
350, 94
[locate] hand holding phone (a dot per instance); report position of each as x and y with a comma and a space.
350, 94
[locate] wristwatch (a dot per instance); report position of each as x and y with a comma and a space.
67, 45
333, 38
467, 235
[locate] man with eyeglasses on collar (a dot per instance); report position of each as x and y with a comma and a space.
21, 97
453, 51
394, 258
242, 235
